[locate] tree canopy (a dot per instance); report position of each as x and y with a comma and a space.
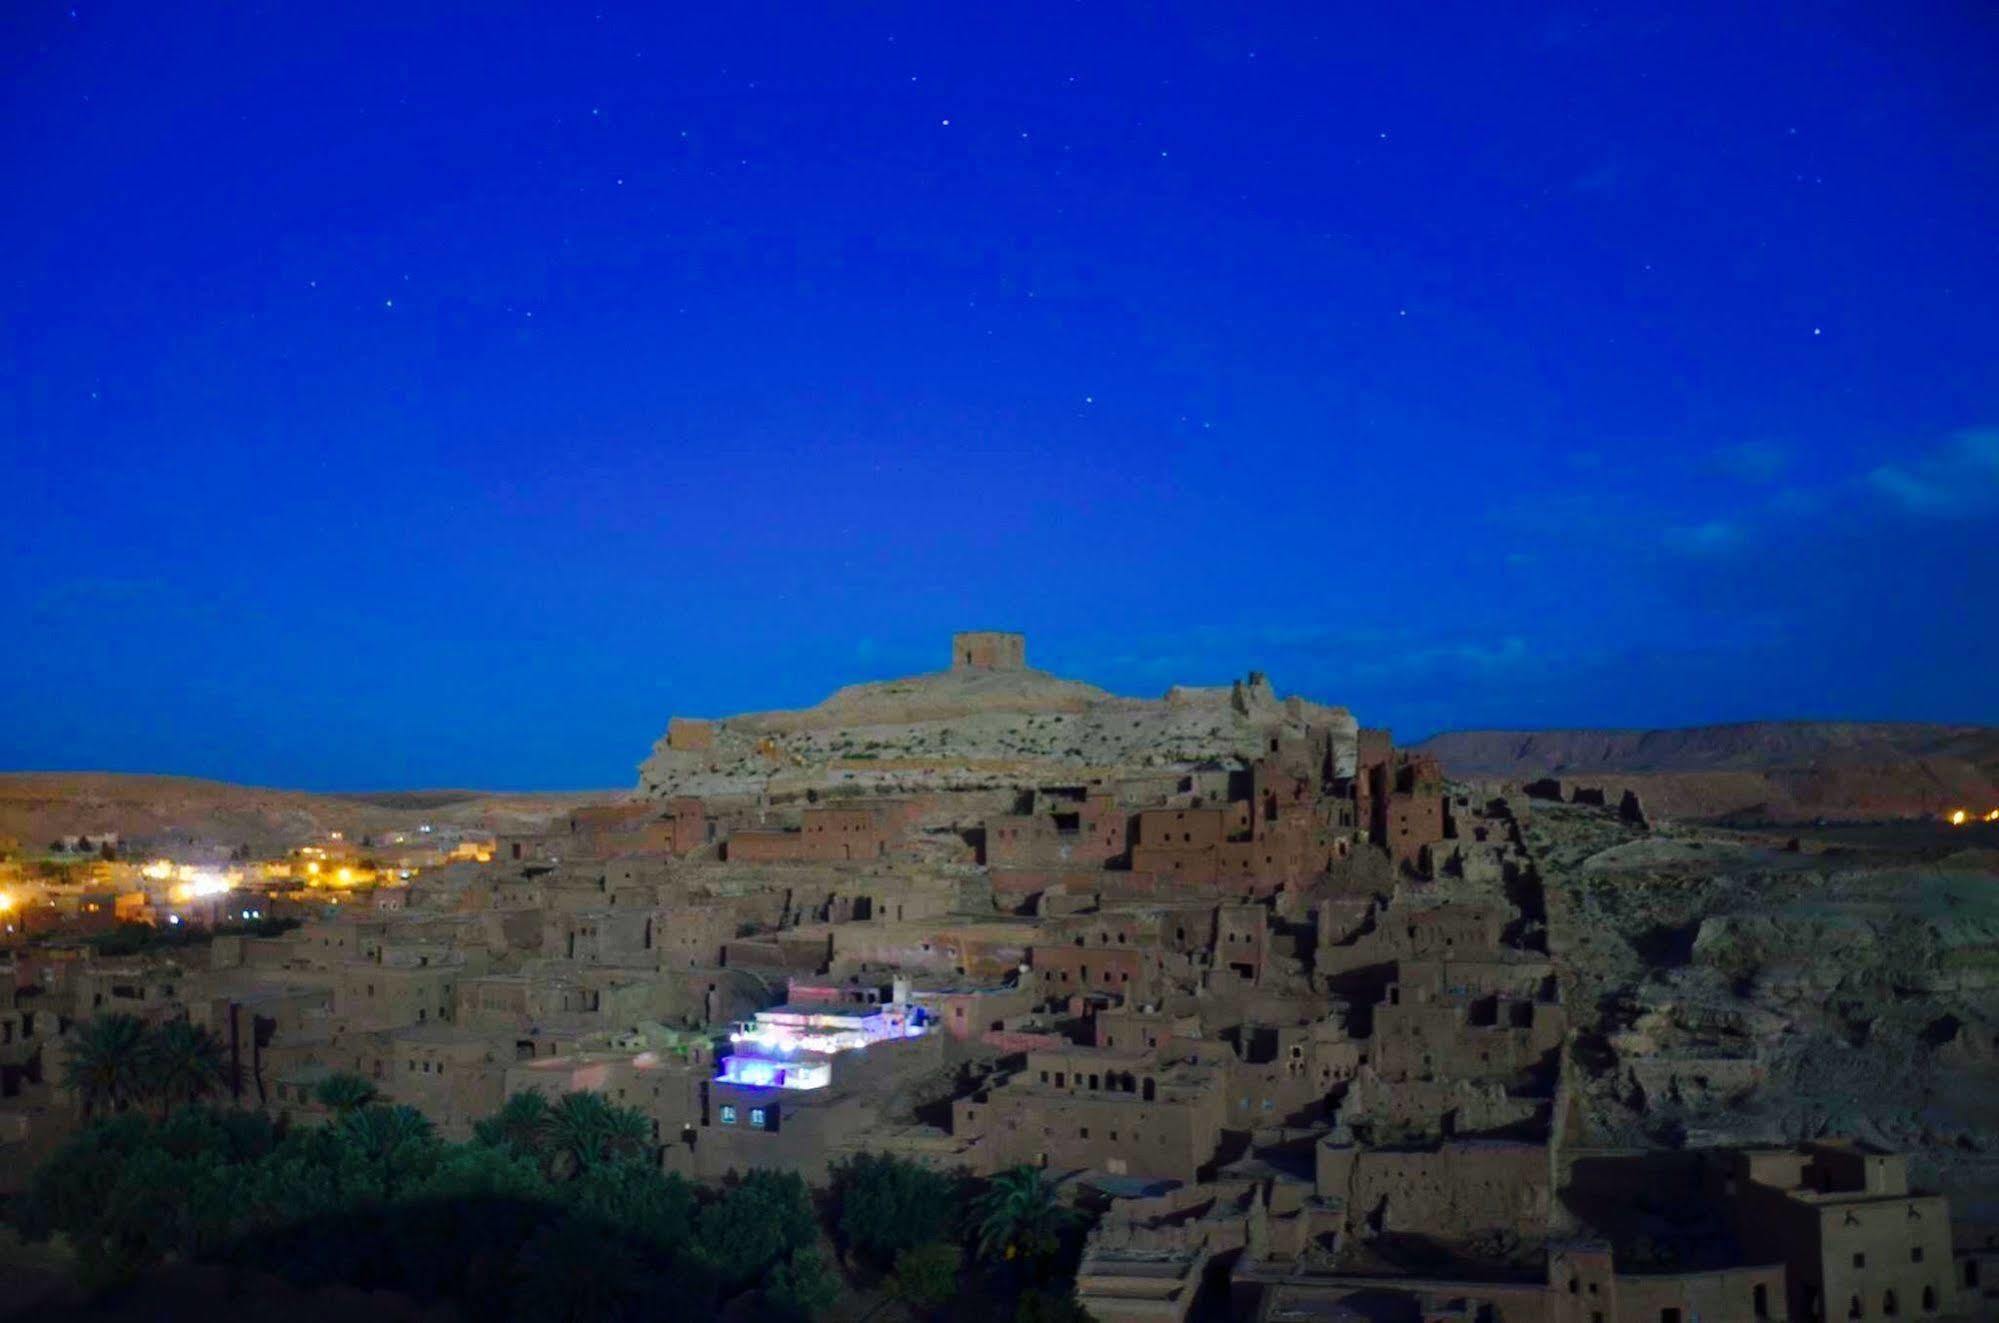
889, 1204
554, 1210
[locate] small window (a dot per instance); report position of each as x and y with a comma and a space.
1859, 1259
728, 1114
757, 1117
1916, 1254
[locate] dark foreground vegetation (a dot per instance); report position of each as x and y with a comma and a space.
554, 1210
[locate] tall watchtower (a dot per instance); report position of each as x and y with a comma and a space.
988, 650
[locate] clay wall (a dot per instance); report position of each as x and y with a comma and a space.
692, 936
715, 996
1099, 1111
378, 997
1185, 829
1284, 1092
1748, 1293
1452, 1191
825, 835
1441, 1040
1242, 941
1062, 970
1181, 928
1404, 931
1414, 821
975, 1013
1133, 1030
453, 1081
1056, 840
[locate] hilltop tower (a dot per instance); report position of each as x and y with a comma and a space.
988, 650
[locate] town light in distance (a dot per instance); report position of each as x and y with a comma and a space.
199, 885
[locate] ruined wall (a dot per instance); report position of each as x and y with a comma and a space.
1487, 1038
1454, 1190
689, 735
1107, 1119
988, 650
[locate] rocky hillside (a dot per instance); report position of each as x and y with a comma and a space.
1776, 771
1750, 746
36, 807
1729, 990
964, 729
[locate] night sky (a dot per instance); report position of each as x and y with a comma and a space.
402, 395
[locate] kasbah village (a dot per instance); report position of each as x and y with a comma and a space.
1265, 995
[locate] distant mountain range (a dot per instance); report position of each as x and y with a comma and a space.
1782, 771
36, 807
1761, 770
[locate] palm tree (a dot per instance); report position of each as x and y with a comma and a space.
107, 1062
585, 1129
182, 1063
1019, 1215
520, 1126
396, 1146
380, 1131
345, 1093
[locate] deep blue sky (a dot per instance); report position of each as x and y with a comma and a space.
406, 395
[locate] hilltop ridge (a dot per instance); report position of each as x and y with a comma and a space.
977, 722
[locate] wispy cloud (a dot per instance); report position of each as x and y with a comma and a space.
1710, 538
1753, 461
1957, 479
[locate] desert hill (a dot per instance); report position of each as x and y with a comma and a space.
1780, 771
959, 729
39, 806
